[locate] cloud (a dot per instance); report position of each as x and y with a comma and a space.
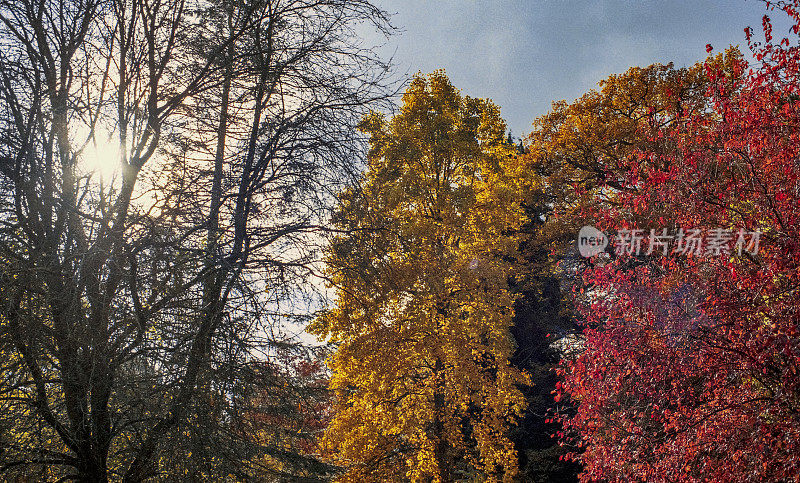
525, 54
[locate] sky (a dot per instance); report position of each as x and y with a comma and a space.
525, 54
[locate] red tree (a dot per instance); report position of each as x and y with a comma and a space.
689, 369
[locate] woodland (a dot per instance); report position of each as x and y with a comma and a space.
236, 246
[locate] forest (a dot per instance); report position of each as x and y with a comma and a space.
237, 245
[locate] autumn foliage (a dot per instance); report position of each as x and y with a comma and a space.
690, 364
148, 317
424, 388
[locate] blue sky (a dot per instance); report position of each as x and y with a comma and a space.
524, 54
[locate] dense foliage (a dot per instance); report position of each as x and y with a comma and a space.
689, 370
256, 188
423, 382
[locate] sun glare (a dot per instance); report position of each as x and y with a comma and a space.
101, 157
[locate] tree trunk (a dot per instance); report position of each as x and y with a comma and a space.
440, 452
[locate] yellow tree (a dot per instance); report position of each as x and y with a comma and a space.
421, 322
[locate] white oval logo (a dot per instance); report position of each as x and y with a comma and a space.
591, 241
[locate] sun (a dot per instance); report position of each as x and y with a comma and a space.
101, 157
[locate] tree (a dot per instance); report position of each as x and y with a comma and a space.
691, 373
542, 315
577, 158
289, 415
421, 321
137, 309
582, 150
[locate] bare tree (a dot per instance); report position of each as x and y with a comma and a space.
137, 311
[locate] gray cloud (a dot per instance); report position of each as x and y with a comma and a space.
526, 54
